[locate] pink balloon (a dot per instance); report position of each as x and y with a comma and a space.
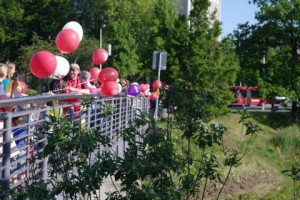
67, 41
110, 88
24, 87
94, 73
156, 84
43, 64
143, 87
100, 56
108, 74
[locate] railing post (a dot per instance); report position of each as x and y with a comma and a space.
6, 151
88, 114
45, 161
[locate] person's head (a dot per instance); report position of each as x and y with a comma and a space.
11, 69
15, 76
86, 76
74, 71
17, 121
3, 70
123, 82
127, 82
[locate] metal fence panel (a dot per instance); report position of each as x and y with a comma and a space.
123, 110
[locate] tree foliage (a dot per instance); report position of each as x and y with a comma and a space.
273, 44
197, 60
20, 19
201, 65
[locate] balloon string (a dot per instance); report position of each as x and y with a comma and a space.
24, 74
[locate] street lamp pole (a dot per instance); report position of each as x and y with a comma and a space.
102, 26
101, 37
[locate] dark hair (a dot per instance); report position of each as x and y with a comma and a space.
15, 119
16, 75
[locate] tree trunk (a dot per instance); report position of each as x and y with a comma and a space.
295, 111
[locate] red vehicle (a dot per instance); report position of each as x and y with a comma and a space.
247, 96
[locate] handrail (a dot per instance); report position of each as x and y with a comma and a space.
44, 98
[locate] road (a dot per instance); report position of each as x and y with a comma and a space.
268, 108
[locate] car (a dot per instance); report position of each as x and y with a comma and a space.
281, 99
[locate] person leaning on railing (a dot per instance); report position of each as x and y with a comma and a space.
11, 69
21, 142
68, 85
86, 84
3, 94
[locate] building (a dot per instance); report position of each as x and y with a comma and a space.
215, 5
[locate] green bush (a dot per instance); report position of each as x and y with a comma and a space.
31, 92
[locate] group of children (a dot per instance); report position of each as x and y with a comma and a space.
19, 134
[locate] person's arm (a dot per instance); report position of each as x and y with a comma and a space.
77, 90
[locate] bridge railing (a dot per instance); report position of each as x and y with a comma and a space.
15, 159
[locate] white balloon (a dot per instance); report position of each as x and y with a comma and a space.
134, 83
62, 68
120, 87
76, 27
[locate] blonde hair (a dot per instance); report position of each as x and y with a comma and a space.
3, 70
10, 66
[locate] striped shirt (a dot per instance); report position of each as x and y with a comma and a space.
20, 132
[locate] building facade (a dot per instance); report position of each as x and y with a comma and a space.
215, 5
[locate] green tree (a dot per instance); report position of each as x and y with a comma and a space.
11, 14
202, 65
20, 19
276, 38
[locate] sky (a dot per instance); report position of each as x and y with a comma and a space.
235, 12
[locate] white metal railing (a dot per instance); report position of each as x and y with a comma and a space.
41, 106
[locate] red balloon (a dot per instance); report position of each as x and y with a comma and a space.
94, 73
108, 74
143, 87
24, 87
43, 64
110, 88
100, 56
8, 108
156, 84
153, 95
67, 41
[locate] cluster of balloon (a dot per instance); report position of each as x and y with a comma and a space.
68, 39
21, 88
156, 85
43, 64
134, 89
108, 77
62, 68
100, 56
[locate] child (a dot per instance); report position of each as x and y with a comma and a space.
21, 145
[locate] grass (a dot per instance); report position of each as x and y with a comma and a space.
274, 149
